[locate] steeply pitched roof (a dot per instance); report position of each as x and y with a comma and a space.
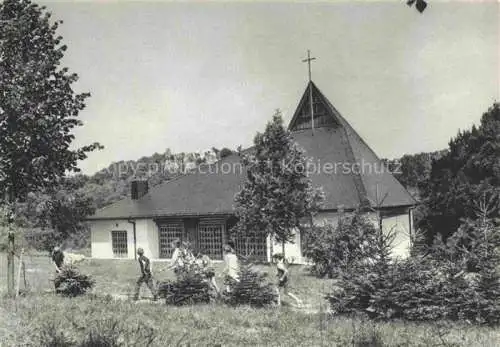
333, 140
340, 161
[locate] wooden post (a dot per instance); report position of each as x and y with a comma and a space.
10, 264
24, 275
19, 272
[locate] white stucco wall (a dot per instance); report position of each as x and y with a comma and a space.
101, 245
292, 250
400, 225
146, 237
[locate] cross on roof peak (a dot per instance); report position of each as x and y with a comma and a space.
308, 60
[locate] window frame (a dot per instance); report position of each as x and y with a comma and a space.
115, 248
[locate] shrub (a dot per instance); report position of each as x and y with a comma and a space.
331, 248
366, 275
437, 286
190, 287
70, 282
252, 288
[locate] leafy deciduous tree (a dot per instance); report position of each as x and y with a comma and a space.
467, 172
38, 106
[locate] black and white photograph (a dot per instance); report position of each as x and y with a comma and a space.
249, 173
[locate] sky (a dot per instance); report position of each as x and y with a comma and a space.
194, 75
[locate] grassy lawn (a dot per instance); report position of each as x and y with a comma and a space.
117, 277
24, 321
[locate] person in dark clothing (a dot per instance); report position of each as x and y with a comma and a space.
146, 276
58, 258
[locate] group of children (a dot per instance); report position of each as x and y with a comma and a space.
182, 255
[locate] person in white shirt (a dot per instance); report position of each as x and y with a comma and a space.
231, 268
187, 252
177, 258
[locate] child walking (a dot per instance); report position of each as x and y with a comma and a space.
204, 262
231, 267
284, 279
146, 276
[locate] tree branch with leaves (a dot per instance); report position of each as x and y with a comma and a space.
38, 107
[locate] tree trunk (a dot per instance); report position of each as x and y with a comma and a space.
9, 197
271, 248
10, 264
18, 280
283, 248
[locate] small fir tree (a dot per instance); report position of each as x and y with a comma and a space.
334, 247
71, 282
253, 288
190, 286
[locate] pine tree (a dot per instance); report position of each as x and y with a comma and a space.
368, 279
333, 248
189, 287
253, 288
70, 282
277, 194
476, 246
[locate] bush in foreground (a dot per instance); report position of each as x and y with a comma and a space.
252, 288
332, 248
455, 281
190, 287
70, 282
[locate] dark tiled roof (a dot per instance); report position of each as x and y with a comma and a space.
333, 151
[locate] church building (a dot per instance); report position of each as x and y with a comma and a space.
199, 206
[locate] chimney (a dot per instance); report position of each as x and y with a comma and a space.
139, 188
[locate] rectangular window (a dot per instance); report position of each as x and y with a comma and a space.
169, 232
119, 243
252, 246
210, 238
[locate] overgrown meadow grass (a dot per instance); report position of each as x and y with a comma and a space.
29, 318
41, 315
